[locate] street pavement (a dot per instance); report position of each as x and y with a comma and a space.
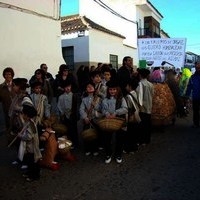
166, 169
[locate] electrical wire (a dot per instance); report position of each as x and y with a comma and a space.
102, 4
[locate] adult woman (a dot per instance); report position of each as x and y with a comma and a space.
62, 77
6, 93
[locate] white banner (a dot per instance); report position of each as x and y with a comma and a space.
162, 51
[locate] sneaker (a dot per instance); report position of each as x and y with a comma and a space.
28, 179
15, 162
25, 175
95, 154
108, 159
87, 153
125, 152
24, 167
119, 160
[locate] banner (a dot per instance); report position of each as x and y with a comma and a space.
162, 51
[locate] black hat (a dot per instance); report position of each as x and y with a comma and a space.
35, 84
21, 82
67, 83
112, 84
90, 83
133, 82
30, 111
63, 67
94, 73
144, 72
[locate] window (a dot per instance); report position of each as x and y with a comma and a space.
68, 55
114, 61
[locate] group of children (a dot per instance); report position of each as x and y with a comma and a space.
107, 101
102, 98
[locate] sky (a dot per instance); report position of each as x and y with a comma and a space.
181, 19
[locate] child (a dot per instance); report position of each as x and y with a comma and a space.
100, 89
40, 103
15, 111
89, 110
145, 95
114, 105
29, 145
131, 138
106, 76
67, 107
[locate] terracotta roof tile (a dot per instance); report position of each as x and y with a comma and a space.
74, 23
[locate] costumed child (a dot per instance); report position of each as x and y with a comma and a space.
100, 89
15, 113
29, 145
114, 105
89, 111
145, 92
106, 75
68, 111
41, 105
131, 138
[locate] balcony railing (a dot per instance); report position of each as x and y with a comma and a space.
146, 32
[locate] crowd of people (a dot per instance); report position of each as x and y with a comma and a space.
139, 98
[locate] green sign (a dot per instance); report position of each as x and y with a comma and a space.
142, 64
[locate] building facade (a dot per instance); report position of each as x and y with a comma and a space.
121, 22
30, 35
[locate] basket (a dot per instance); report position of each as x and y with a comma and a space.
89, 134
64, 145
60, 129
110, 125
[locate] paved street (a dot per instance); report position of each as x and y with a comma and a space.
167, 169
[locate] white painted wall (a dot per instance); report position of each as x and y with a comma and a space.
45, 7
101, 45
28, 39
105, 18
97, 46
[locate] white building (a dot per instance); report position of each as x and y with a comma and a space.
106, 31
89, 43
30, 35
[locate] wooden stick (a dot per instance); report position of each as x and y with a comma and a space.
23, 129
